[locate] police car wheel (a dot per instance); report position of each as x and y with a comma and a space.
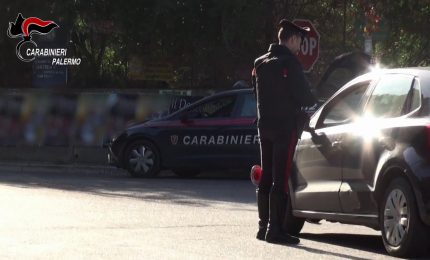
142, 159
186, 173
403, 233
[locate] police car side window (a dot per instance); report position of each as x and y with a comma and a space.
343, 109
249, 106
218, 108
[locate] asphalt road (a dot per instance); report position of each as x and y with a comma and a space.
57, 215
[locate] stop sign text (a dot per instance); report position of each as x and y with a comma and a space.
309, 51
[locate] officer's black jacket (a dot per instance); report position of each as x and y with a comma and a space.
281, 88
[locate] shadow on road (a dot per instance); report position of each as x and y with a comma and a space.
369, 243
322, 252
200, 191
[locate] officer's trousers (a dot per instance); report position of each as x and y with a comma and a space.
277, 150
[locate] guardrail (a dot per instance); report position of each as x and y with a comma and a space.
73, 125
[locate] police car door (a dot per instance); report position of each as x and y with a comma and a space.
319, 156
199, 138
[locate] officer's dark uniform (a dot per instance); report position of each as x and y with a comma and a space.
281, 90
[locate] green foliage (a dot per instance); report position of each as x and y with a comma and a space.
407, 42
209, 43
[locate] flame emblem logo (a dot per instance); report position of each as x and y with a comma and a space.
25, 27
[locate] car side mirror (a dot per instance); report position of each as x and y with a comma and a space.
320, 138
309, 129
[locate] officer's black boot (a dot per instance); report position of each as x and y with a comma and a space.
274, 230
263, 214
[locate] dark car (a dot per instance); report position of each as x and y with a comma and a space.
217, 132
365, 160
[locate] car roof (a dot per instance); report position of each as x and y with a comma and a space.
409, 70
416, 71
224, 93
239, 91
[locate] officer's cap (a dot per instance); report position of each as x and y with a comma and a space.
289, 26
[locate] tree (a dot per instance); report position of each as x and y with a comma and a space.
211, 43
407, 42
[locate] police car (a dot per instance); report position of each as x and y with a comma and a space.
217, 132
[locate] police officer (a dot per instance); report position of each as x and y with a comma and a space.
281, 90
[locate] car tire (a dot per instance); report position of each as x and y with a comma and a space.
292, 225
186, 173
403, 233
142, 159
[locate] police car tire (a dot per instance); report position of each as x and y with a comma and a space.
186, 173
416, 237
292, 224
154, 158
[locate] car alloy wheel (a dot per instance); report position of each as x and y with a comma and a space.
142, 159
396, 217
403, 232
